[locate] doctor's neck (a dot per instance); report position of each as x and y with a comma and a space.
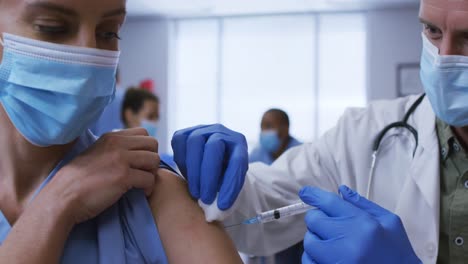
23, 166
282, 149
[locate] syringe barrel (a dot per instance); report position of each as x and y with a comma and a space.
283, 212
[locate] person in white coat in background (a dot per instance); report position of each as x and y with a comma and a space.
409, 156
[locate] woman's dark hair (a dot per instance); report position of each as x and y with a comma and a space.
134, 100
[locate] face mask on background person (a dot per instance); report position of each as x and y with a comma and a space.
270, 141
445, 80
151, 126
52, 93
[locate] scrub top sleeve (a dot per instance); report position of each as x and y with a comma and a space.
165, 166
254, 156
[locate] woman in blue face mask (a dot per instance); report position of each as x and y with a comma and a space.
65, 197
140, 108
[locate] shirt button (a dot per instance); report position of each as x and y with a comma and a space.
444, 152
431, 248
466, 184
456, 147
459, 241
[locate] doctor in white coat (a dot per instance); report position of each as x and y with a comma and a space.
405, 179
403, 184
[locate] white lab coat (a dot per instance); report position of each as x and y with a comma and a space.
407, 185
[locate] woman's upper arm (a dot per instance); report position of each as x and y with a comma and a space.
186, 236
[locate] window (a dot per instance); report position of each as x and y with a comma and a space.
231, 70
342, 67
193, 98
266, 66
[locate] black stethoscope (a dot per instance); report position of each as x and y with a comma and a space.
375, 149
400, 124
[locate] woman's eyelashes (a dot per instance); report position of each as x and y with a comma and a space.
49, 27
108, 31
108, 36
50, 30
59, 30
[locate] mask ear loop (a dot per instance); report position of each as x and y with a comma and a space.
2, 43
2, 39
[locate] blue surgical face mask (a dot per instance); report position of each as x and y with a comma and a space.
151, 126
52, 93
270, 141
445, 80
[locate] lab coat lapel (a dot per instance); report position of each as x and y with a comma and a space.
425, 168
419, 200
425, 172
418, 204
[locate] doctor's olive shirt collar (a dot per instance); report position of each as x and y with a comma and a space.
453, 197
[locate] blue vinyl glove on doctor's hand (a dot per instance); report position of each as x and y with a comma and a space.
352, 230
214, 161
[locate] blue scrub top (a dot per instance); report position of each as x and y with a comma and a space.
123, 234
259, 154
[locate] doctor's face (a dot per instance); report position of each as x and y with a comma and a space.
446, 25
85, 23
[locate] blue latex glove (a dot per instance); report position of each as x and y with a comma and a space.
214, 161
352, 230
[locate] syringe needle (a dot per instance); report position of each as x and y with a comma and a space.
229, 226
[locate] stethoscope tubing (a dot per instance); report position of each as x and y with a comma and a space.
400, 124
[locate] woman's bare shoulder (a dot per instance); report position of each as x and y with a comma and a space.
186, 236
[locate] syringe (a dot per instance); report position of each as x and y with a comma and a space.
279, 213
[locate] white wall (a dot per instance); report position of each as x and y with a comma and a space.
145, 53
394, 37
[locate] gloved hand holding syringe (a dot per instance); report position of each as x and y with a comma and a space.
276, 214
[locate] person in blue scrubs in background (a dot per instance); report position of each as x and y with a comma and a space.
140, 108
66, 197
274, 138
274, 141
